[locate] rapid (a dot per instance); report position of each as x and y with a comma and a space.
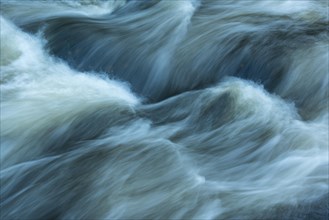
172, 109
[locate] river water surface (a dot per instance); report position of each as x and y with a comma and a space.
173, 109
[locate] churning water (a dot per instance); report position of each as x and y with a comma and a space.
173, 109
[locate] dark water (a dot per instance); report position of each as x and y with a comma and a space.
177, 109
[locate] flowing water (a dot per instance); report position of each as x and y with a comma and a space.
173, 109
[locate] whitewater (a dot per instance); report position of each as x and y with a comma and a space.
172, 109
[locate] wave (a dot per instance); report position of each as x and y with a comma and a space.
164, 110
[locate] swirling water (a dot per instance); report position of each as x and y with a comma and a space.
181, 109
